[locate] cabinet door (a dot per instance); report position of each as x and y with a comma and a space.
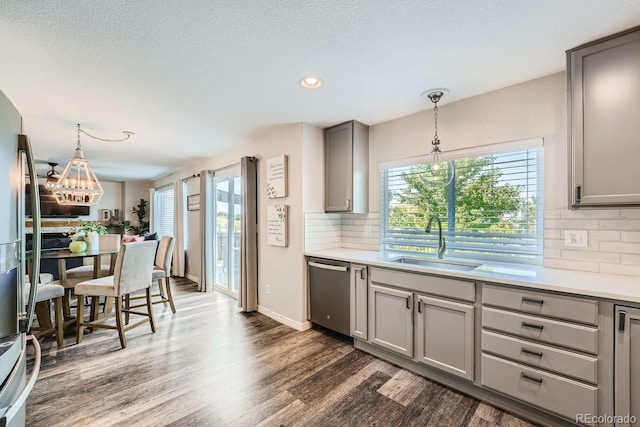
338, 164
604, 80
627, 365
358, 311
445, 335
391, 319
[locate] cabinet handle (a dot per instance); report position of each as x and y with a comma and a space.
532, 326
578, 195
531, 352
409, 302
621, 321
529, 378
529, 300
419, 306
362, 273
348, 204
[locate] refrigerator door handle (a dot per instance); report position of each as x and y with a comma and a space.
34, 273
18, 404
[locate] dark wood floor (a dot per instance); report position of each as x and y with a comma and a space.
208, 365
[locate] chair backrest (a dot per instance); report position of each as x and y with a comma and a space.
109, 241
165, 253
134, 266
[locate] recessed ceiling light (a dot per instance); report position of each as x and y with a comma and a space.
310, 82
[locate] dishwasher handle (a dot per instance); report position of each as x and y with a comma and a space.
328, 266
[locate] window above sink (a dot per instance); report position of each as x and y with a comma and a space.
491, 210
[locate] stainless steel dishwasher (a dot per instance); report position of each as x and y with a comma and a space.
329, 293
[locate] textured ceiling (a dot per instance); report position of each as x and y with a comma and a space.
194, 77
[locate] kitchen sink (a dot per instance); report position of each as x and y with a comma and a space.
437, 263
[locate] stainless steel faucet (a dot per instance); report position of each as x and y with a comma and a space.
442, 245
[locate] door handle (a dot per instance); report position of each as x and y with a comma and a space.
18, 404
327, 266
25, 146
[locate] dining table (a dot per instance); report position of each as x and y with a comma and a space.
62, 255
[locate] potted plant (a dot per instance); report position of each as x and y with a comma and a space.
87, 232
142, 224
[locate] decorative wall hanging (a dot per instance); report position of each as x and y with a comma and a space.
193, 202
277, 225
277, 173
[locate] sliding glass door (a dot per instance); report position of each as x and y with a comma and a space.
227, 231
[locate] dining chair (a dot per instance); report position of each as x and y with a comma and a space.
161, 273
85, 271
133, 271
45, 293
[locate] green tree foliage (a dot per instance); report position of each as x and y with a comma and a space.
482, 202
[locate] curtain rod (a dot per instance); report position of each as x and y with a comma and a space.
195, 175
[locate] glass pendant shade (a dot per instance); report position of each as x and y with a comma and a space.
78, 184
440, 169
52, 177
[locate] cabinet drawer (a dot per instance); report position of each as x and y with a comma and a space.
552, 331
547, 391
451, 288
562, 307
541, 356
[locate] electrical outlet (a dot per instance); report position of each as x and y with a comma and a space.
268, 289
576, 238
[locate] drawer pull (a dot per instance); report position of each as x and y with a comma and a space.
532, 326
528, 300
531, 352
529, 378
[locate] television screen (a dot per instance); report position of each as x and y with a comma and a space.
49, 208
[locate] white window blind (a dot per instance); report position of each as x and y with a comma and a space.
163, 211
491, 210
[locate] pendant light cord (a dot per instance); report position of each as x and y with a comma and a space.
125, 132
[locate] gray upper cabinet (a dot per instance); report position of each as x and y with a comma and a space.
604, 130
346, 160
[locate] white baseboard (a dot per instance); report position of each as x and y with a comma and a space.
192, 278
285, 320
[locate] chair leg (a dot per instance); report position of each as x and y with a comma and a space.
161, 291
150, 310
127, 304
95, 308
79, 319
123, 340
170, 297
59, 319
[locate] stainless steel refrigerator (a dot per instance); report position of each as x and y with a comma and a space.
16, 310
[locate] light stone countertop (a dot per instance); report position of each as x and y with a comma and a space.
608, 286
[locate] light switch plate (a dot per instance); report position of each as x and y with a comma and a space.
576, 238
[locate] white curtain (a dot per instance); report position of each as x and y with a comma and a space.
152, 215
206, 231
179, 229
248, 300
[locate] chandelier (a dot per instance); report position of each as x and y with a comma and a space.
78, 185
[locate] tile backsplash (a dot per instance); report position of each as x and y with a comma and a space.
613, 240
354, 231
613, 237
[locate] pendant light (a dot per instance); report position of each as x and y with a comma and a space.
52, 177
441, 169
78, 184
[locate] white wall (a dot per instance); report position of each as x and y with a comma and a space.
133, 191
280, 269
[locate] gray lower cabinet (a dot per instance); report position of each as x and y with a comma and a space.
359, 297
604, 80
627, 364
445, 335
391, 319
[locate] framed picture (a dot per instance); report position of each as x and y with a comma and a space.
277, 177
193, 202
277, 225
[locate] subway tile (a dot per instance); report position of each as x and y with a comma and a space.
553, 234
609, 246
630, 214
630, 259
590, 214
630, 248
552, 214
591, 256
630, 236
609, 236
572, 265
573, 224
552, 253
624, 225
629, 270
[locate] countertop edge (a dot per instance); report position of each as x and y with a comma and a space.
616, 287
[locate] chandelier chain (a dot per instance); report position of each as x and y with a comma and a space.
126, 132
